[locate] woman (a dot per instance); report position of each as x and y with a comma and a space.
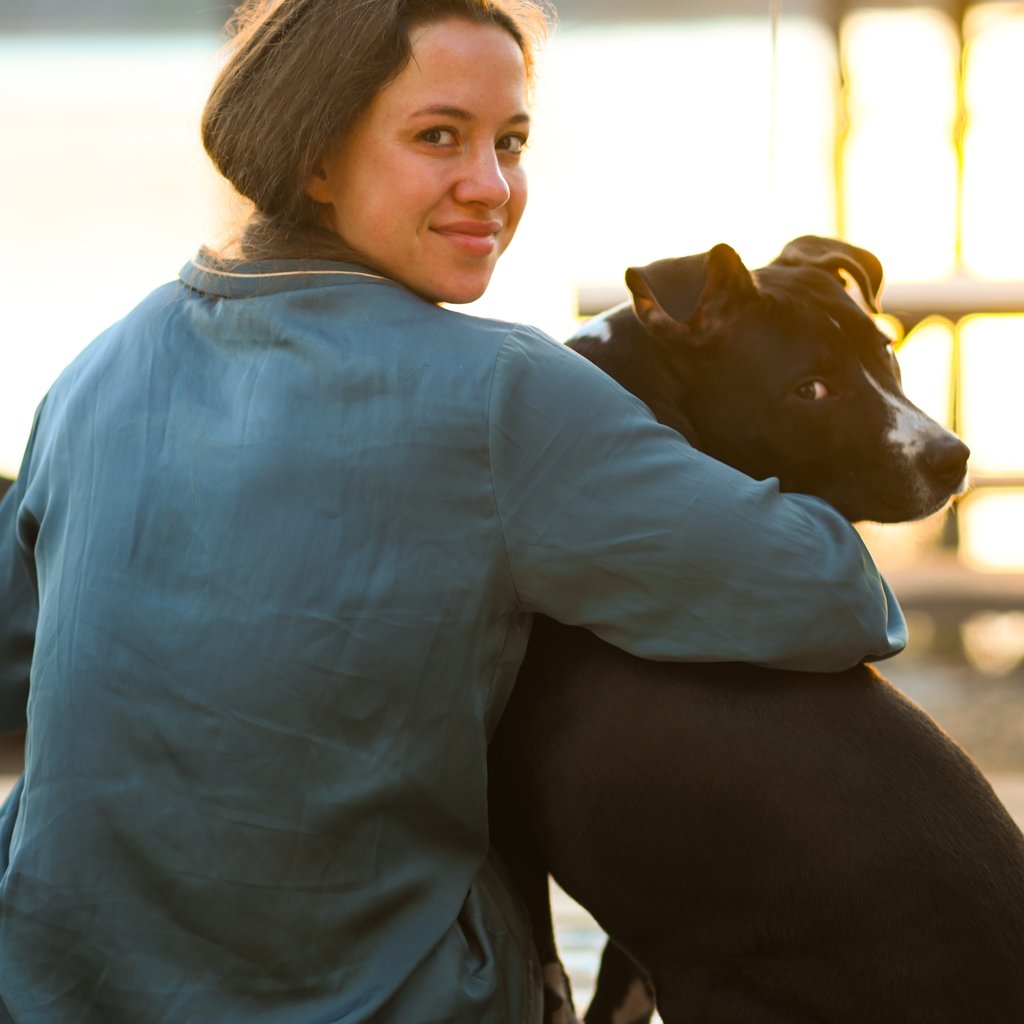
270, 564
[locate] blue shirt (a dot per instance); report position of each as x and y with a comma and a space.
266, 577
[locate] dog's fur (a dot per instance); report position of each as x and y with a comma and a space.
771, 846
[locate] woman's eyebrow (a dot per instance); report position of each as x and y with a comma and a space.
459, 114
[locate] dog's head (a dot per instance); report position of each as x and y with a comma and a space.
782, 372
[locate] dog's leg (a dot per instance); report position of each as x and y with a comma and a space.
624, 995
532, 881
558, 1007
528, 871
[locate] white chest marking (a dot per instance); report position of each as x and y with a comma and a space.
598, 328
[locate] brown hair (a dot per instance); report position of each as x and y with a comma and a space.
298, 75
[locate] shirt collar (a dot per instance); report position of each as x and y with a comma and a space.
240, 280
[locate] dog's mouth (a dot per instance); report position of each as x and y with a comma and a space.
943, 500
879, 497
908, 506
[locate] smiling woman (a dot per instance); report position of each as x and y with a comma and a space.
427, 184
308, 140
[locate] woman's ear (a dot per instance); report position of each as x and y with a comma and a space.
318, 185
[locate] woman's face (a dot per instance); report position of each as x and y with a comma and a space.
428, 184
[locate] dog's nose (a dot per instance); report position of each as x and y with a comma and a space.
947, 458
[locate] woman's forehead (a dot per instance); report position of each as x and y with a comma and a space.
461, 67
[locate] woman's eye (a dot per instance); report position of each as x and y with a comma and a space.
438, 136
513, 144
813, 391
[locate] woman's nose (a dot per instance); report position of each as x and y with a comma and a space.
483, 181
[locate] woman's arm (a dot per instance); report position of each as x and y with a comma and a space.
614, 522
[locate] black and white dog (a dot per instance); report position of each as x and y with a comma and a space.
770, 846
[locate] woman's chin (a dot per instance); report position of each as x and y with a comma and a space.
452, 291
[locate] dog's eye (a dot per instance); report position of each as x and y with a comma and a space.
812, 391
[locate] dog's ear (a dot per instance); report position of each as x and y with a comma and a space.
832, 255
684, 297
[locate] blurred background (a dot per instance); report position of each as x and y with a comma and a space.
662, 128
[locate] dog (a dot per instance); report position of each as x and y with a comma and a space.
763, 846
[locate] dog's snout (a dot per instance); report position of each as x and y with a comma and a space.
947, 458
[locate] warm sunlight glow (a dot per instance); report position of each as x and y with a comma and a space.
655, 141
993, 538
650, 141
925, 357
993, 197
900, 545
899, 160
662, 138
994, 641
993, 415
106, 193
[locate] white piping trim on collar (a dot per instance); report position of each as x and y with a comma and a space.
287, 273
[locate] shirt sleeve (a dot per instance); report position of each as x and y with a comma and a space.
614, 522
19, 603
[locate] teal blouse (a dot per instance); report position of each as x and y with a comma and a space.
266, 577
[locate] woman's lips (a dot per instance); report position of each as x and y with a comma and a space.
475, 237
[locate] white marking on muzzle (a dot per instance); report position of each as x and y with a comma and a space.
909, 428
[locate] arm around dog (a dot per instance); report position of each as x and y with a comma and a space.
614, 522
